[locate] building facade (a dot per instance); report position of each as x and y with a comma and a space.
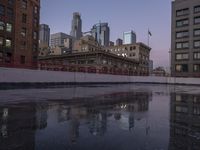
76, 30
185, 38
91, 62
101, 33
58, 39
44, 36
19, 33
129, 37
138, 52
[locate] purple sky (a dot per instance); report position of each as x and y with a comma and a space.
122, 15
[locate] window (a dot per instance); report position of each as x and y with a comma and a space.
2, 10
182, 56
196, 9
22, 59
8, 43
2, 25
181, 23
196, 68
196, 32
35, 35
182, 45
35, 10
1, 56
9, 27
10, 2
1, 41
10, 13
196, 111
24, 18
23, 32
8, 58
182, 34
35, 22
35, 47
23, 44
182, 12
197, 20
196, 44
182, 68
24, 4
181, 109
197, 55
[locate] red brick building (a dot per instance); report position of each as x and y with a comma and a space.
19, 28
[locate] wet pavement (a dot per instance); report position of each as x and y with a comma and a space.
102, 117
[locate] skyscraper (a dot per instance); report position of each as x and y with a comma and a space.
129, 37
185, 38
44, 36
101, 33
19, 33
76, 30
119, 42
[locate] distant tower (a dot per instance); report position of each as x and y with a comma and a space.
101, 33
129, 37
76, 30
44, 36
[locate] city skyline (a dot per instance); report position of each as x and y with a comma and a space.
119, 21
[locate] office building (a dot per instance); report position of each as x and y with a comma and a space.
76, 30
19, 33
58, 39
44, 36
138, 52
129, 37
185, 38
119, 42
101, 33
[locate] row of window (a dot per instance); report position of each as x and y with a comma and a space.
185, 56
184, 68
186, 11
24, 33
185, 22
8, 42
184, 34
185, 45
5, 26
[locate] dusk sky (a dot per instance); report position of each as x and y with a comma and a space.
122, 15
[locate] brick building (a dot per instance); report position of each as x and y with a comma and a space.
19, 28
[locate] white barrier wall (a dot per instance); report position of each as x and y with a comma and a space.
10, 75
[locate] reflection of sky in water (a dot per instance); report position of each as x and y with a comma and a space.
120, 117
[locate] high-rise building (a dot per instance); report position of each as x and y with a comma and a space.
19, 33
58, 39
44, 36
185, 38
101, 33
76, 30
119, 42
129, 37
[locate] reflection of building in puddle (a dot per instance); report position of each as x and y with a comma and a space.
124, 107
18, 124
41, 115
185, 122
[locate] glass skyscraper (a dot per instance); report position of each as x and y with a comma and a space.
101, 33
129, 37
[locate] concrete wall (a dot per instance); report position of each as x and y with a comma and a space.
8, 75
